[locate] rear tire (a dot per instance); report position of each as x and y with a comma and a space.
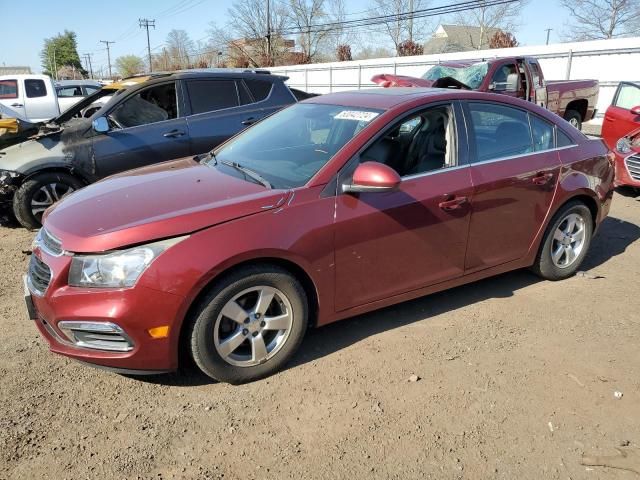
38, 193
574, 118
565, 243
233, 339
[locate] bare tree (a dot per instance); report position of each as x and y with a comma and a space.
486, 18
180, 49
600, 19
305, 16
401, 27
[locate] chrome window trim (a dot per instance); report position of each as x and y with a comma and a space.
434, 172
511, 157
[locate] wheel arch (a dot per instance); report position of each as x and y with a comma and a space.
289, 265
580, 105
55, 169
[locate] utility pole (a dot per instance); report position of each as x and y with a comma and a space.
268, 33
548, 30
146, 24
88, 57
107, 42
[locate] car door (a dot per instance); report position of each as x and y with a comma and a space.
506, 80
538, 86
220, 108
12, 95
390, 243
146, 127
514, 170
618, 120
40, 100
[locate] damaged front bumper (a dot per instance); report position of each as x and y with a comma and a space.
9, 182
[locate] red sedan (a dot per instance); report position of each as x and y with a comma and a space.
336, 206
621, 133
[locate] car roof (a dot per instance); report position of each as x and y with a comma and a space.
380, 98
64, 83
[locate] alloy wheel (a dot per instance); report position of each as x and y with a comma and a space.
253, 326
568, 240
46, 196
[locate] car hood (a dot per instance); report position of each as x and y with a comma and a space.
161, 201
55, 148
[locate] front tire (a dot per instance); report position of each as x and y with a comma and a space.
249, 325
574, 118
38, 193
565, 243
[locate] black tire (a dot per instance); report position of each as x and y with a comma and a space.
574, 118
544, 265
200, 336
22, 199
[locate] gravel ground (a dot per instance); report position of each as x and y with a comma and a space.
510, 377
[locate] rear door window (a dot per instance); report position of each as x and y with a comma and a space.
542, 132
212, 95
499, 131
8, 89
70, 92
35, 88
628, 96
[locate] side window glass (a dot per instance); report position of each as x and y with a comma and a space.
35, 88
542, 132
70, 92
91, 90
499, 131
245, 98
260, 89
212, 95
151, 105
563, 139
628, 96
8, 89
535, 73
424, 142
506, 78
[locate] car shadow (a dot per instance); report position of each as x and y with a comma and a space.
613, 238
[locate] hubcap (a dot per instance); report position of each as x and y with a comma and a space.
253, 326
568, 241
46, 196
574, 122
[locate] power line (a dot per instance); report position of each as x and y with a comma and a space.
107, 42
146, 24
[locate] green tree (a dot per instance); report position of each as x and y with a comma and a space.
128, 65
61, 51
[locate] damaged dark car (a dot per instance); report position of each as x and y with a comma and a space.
169, 116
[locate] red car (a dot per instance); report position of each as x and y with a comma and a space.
621, 133
333, 207
522, 77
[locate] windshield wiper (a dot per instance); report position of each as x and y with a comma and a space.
248, 172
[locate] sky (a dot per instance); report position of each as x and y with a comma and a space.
117, 21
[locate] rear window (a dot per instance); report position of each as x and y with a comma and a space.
35, 88
260, 89
212, 95
70, 91
8, 89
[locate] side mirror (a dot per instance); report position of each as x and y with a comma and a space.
373, 177
100, 125
635, 110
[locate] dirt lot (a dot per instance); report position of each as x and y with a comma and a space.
517, 380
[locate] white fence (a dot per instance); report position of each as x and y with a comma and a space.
609, 61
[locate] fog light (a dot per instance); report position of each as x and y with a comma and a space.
159, 332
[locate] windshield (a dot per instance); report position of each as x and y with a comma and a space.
289, 148
471, 75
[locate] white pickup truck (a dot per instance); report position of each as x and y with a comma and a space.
35, 98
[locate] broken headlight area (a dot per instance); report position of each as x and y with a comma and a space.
9, 182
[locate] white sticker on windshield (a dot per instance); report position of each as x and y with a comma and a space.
357, 115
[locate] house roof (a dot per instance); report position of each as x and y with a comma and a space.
15, 70
458, 38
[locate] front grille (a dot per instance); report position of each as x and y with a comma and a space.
49, 243
633, 165
39, 275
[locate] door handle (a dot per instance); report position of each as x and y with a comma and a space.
173, 134
452, 203
249, 121
17, 105
542, 178
608, 119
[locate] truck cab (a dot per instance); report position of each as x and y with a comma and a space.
31, 96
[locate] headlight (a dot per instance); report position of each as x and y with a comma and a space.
117, 269
623, 145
